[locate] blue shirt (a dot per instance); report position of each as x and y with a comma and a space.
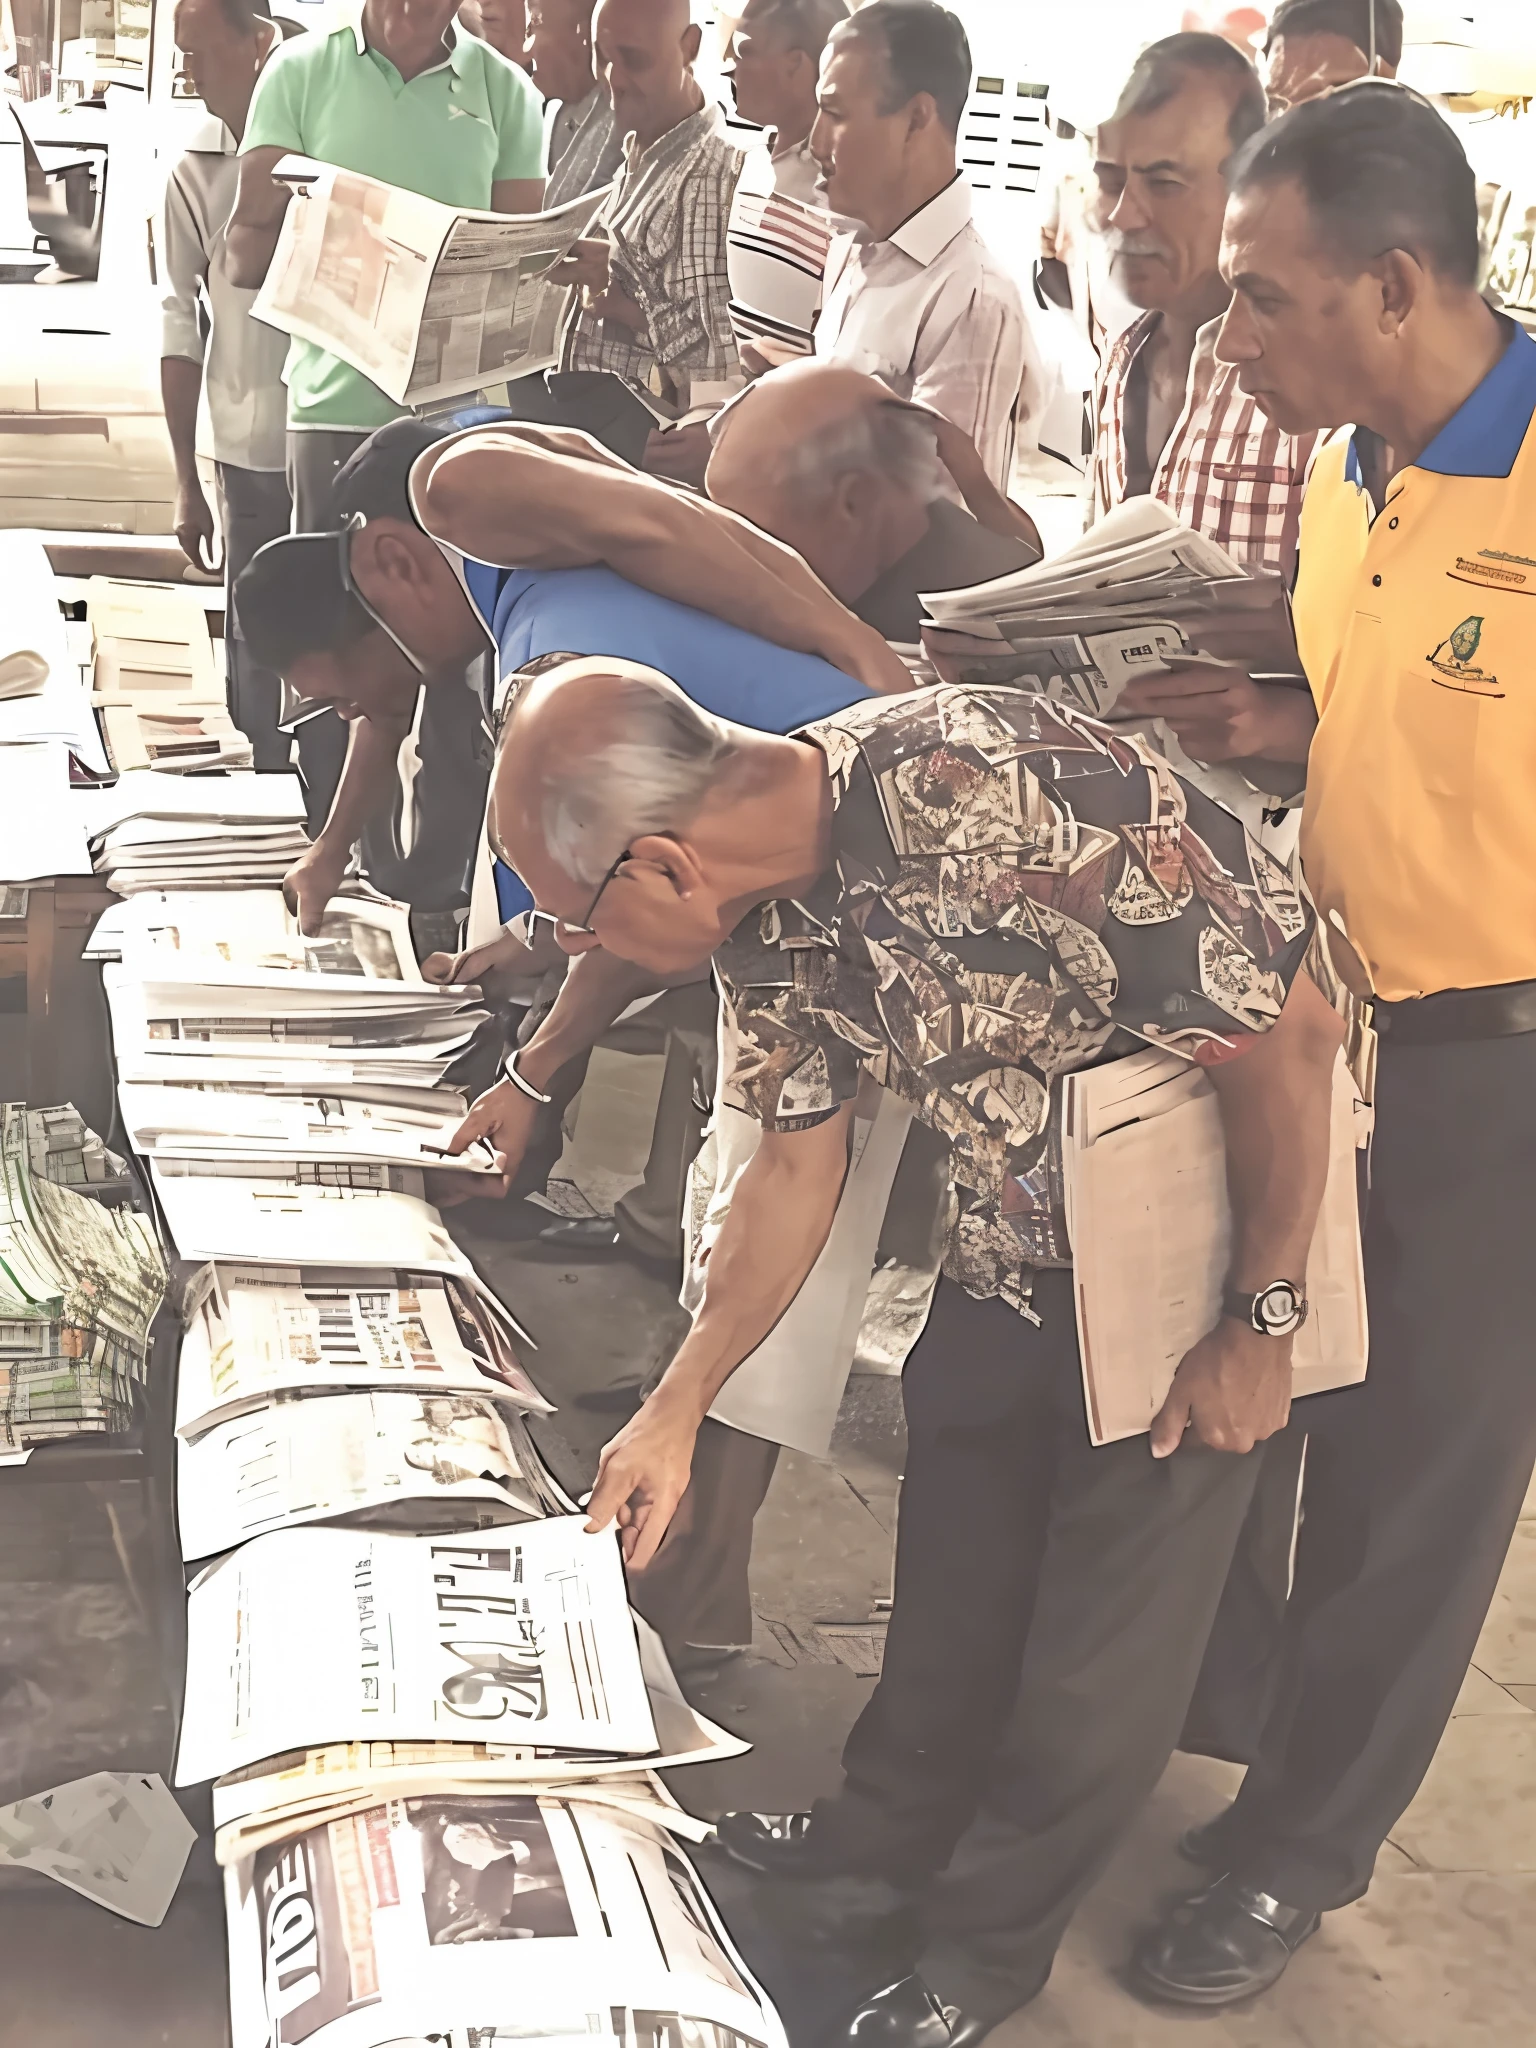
725, 670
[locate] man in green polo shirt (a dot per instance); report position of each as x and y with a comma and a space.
398, 92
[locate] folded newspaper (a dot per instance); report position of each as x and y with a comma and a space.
1151, 1228
260, 1332
425, 300
117, 1837
1137, 595
318, 1635
478, 1920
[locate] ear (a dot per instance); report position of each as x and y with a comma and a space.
1402, 283
856, 496
692, 37
922, 114
672, 860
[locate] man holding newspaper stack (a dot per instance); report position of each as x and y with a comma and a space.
962, 895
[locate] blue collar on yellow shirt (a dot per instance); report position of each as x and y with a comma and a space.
1486, 434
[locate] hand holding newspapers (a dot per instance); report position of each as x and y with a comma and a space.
426, 301
1137, 595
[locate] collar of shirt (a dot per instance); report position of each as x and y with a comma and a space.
458, 57
571, 115
689, 132
1485, 434
926, 234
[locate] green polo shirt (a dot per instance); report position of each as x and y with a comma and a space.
451, 133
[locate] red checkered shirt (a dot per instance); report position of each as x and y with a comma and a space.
1226, 471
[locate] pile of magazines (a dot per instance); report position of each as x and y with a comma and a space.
432, 1723
152, 832
79, 1285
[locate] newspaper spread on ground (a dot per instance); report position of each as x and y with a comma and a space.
442, 1461
116, 1837
79, 1288
229, 1129
425, 300
1138, 594
525, 1630
333, 1215
302, 1788
258, 1332
484, 1920
1151, 1225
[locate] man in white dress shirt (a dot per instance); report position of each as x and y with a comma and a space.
914, 297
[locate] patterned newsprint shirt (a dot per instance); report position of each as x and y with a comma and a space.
1014, 891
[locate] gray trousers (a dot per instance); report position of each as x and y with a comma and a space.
314, 456
254, 507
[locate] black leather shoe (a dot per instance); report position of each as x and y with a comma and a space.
581, 1234
907, 2015
1226, 1944
772, 1844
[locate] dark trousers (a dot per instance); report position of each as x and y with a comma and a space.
1052, 1604
1414, 1479
314, 456
254, 507
696, 1591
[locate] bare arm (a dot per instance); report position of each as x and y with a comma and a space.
367, 780
1221, 714
773, 1233
1234, 1388
505, 500
250, 241
181, 384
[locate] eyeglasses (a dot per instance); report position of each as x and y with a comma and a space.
585, 926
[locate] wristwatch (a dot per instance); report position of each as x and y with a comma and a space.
1278, 1310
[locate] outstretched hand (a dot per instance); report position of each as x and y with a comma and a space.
642, 1475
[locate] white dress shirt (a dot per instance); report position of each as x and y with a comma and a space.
933, 314
208, 320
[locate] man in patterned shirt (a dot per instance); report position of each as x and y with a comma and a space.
655, 304
959, 895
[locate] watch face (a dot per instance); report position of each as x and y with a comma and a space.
1277, 1310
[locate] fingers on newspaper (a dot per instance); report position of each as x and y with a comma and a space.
1137, 595
426, 301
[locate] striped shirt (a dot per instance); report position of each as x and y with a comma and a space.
776, 255
1226, 471
584, 151
666, 225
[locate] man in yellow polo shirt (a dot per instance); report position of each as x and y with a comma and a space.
1352, 246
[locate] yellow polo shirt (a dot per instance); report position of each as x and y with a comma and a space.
1417, 628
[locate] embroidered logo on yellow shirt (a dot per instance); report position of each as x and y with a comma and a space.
1452, 662
1497, 571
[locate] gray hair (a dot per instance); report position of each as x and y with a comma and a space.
892, 441
658, 760
1164, 68
803, 24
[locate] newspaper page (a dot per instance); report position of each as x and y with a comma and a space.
484, 1920
265, 1331
525, 1630
442, 1461
424, 300
116, 1837
1151, 1231
160, 933
223, 1127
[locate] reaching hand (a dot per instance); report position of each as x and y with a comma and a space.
1221, 714
452, 970
312, 881
585, 264
504, 1117
193, 521
1232, 1390
642, 1475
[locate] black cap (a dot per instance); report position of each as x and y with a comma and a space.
291, 600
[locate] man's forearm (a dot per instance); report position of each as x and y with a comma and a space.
181, 384
773, 1234
367, 780
597, 991
248, 253
1276, 1104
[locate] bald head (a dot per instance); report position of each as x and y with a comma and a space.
645, 50
828, 461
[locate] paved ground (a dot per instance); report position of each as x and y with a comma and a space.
1438, 1956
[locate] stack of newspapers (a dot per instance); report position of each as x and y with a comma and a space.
213, 832
432, 1724
1139, 594
79, 1285
158, 691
